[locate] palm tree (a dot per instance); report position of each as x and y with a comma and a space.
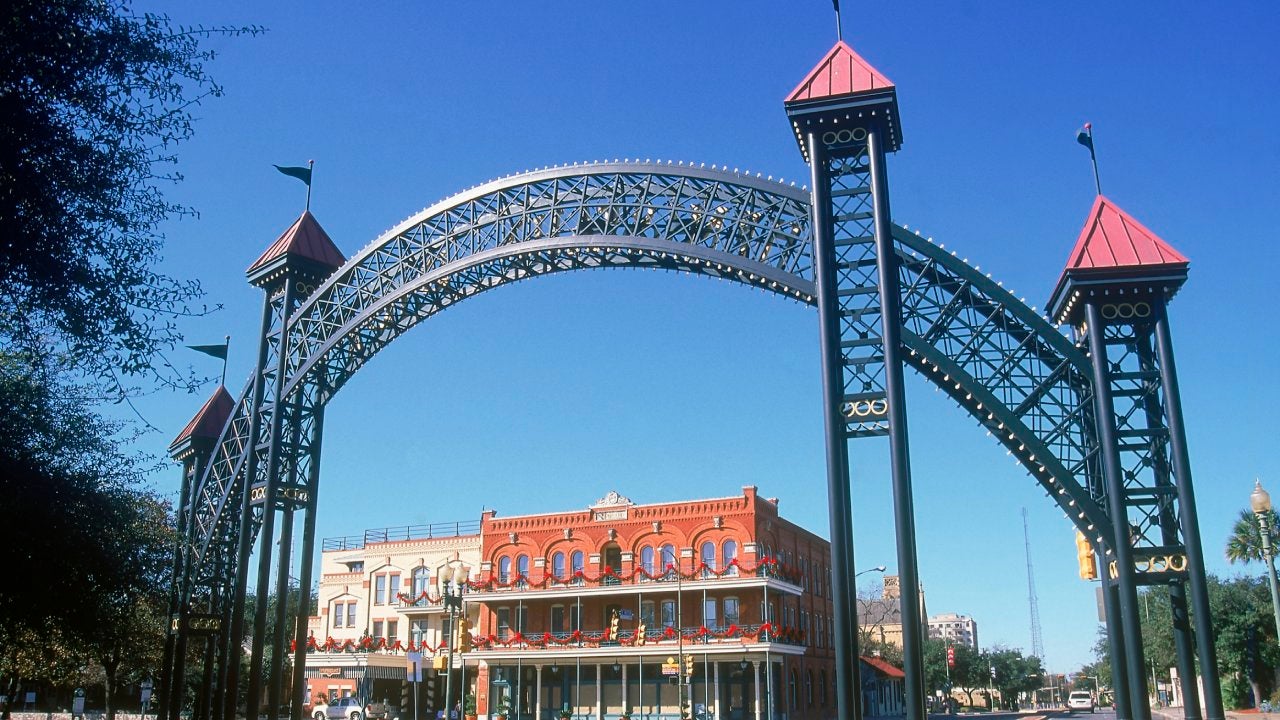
1245, 543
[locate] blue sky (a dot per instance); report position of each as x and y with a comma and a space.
545, 395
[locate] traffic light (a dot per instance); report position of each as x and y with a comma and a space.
1084, 555
688, 665
464, 635
951, 657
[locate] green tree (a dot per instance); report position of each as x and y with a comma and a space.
94, 100
1014, 673
1245, 542
1248, 654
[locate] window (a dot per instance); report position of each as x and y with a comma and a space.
504, 623
338, 617
575, 617
822, 687
646, 613
355, 566
709, 613
557, 566
669, 613
504, 570
732, 616
522, 617
418, 631
668, 559
557, 618
808, 687
380, 590
393, 588
393, 629
795, 701
708, 558
729, 554
817, 579
522, 568
377, 628
351, 614
577, 561
421, 581
646, 562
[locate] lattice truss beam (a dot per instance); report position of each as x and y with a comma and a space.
1003, 362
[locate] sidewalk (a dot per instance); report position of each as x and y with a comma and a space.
1175, 713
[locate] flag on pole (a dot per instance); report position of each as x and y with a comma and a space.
1084, 136
302, 173
218, 351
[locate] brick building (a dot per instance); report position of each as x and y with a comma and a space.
581, 610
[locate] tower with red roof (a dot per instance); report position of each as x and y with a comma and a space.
289, 271
844, 114
1114, 293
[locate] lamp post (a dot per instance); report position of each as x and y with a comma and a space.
878, 568
680, 678
453, 582
1260, 502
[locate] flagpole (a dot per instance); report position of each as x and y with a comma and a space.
311, 164
227, 351
839, 30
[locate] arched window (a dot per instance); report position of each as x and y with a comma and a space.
669, 559
794, 690
728, 554
522, 568
646, 561
822, 687
808, 687
708, 558
504, 570
577, 561
421, 581
557, 566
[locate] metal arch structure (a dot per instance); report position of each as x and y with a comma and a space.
1007, 365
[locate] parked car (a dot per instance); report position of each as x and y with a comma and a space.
1080, 700
349, 708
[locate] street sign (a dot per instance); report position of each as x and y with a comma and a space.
671, 668
626, 615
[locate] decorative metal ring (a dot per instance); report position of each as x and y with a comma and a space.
1125, 310
844, 136
879, 407
1142, 309
1108, 312
829, 137
859, 133
1173, 561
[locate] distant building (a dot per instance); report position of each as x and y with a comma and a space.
880, 619
959, 629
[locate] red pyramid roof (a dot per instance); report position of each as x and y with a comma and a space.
304, 238
841, 72
209, 421
1112, 238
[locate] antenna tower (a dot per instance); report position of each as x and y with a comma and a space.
1037, 643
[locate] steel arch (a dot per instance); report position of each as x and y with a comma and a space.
1007, 365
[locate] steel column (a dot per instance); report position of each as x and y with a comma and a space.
1187, 515
844, 613
204, 699
304, 579
1184, 643
275, 678
233, 649
899, 447
1115, 642
173, 676
1123, 549
266, 533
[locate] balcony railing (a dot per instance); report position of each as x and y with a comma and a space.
732, 633
403, 532
547, 640
766, 568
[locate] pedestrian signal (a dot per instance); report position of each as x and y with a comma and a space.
1084, 556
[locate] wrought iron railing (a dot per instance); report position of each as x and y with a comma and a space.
402, 532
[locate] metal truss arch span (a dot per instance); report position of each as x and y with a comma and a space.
1003, 362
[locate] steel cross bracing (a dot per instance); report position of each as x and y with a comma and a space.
1150, 500
1007, 365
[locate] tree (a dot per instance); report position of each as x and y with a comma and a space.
1245, 542
1014, 674
94, 100
1247, 649
89, 546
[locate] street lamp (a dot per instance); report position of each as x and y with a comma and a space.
878, 568
1260, 502
453, 582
